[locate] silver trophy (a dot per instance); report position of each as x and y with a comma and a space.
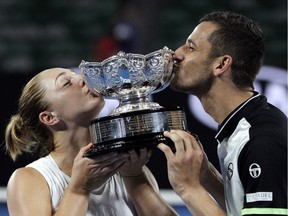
137, 122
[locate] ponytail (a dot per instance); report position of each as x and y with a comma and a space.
18, 139
25, 133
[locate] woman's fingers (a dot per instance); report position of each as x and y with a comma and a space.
113, 167
84, 150
142, 154
110, 159
104, 163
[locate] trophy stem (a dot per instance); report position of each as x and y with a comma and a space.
129, 103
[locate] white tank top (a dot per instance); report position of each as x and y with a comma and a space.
111, 199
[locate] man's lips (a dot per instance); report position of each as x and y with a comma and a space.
176, 67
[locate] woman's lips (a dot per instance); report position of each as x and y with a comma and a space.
87, 91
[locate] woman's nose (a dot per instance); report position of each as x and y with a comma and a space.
79, 79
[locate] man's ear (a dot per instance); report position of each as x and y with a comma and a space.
222, 64
48, 118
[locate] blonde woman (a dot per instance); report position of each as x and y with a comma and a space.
55, 110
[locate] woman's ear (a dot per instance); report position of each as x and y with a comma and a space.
222, 64
48, 118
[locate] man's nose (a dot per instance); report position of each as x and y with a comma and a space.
178, 56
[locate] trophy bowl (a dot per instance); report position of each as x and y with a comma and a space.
137, 122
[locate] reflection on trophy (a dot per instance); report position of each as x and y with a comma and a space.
137, 122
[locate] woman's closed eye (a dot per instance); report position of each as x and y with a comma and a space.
67, 82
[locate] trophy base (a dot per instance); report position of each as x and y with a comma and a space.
148, 141
134, 130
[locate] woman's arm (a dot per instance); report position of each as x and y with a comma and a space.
88, 174
28, 194
143, 188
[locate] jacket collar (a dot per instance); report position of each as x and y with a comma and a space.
231, 121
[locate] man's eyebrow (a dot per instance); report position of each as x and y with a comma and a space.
190, 41
59, 75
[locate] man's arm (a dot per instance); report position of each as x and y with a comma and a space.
185, 167
212, 180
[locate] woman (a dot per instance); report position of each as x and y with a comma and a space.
55, 110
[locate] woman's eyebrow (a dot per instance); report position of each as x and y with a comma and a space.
59, 75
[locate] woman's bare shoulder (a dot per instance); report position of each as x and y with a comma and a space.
25, 176
26, 187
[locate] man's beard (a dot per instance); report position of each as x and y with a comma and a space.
197, 87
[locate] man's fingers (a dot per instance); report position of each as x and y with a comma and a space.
177, 139
183, 141
165, 149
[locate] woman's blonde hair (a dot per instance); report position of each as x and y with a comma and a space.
25, 132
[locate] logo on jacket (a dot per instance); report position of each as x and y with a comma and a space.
230, 170
255, 170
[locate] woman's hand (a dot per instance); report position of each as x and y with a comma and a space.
90, 173
136, 161
142, 187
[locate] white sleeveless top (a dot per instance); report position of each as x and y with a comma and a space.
111, 199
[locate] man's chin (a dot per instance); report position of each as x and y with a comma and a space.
175, 86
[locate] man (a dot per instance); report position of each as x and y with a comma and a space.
218, 64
